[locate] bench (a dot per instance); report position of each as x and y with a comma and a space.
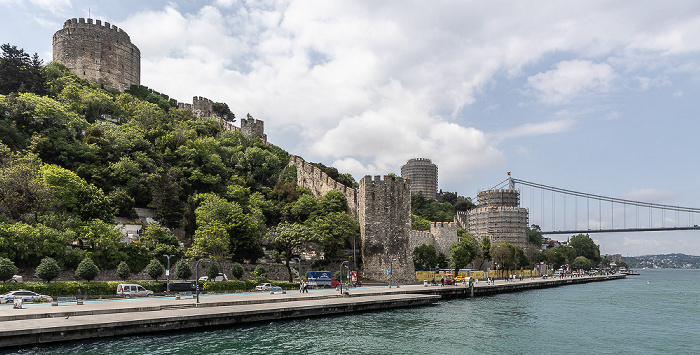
180, 295
66, 299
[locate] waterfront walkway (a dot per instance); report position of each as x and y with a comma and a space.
43, 323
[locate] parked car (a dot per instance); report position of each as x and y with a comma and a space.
176, 287
26, 296
132, 290
16, 278
219, 277
265, 287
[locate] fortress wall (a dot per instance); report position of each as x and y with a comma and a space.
445, 234
384, 213
418, 238
312, 178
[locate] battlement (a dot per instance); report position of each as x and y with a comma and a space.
99, 52
499, 197
253, 128
88, 23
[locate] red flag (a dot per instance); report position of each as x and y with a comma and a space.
509, 173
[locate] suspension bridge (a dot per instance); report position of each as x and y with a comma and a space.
561, 211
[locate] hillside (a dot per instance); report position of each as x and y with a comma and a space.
74, 156
663, 261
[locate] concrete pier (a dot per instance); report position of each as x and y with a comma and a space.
42, 323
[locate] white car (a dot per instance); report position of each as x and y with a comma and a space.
219, 277
26, 296
133, 290
265, 287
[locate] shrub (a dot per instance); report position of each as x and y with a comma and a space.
87, 270
212, 271
183, 270
260, 274
7, 269
123, 270
237, 271
47, 270
155, 269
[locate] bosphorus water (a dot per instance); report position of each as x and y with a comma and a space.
657, 312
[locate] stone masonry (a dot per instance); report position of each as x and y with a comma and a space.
102, 54
499, 217
384, 211
312, 178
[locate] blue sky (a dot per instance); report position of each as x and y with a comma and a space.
592, 96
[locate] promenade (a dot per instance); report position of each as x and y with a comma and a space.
43, 323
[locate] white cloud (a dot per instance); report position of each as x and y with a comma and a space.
535, 129
652, 195
571, 79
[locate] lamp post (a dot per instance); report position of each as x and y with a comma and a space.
341, 276
196, 277
391, 272
167, 273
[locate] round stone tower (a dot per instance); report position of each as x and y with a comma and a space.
99, 53
424, 177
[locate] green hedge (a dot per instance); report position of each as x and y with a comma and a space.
243, 285
109, 288
74, 288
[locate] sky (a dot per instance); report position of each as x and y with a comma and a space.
599, 97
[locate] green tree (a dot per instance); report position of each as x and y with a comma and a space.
183, 270
287, 237
237, 271
7, 269
334, 231
585, 246
75, 195
19, 72
260, 274
155, 269
463, 252
581, 262
123, 270
419, 223
21, 188
87, 270
47, 270
534, 235
210, 239
425, 257
212, 271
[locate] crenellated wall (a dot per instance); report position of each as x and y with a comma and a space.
100, 53
384, 213
253, 128
314, 179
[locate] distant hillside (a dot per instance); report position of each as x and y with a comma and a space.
664, 261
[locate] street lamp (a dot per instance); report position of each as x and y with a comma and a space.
167, 273
391, 272
196, 277
341, 276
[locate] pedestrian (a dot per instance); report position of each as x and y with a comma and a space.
301, 287
306, 287
442, 281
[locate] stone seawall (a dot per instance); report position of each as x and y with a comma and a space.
37, 325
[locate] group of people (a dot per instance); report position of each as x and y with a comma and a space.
303, 287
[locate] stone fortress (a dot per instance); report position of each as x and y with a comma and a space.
424, 177
105, 54
100, 53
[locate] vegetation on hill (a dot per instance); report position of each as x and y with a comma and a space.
74, 156
441, 210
